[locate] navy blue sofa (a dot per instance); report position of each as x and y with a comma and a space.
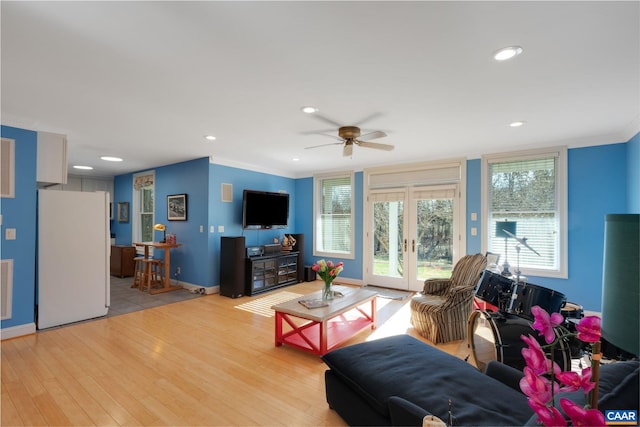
399, 380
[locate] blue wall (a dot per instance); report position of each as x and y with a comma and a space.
597, 186
602, 179
190, 178
198, 257
229, 214
20, 213
352, 267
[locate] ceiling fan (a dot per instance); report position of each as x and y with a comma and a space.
350, 136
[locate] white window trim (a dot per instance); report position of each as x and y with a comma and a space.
136, 232
317, 187
561, 194
415, 175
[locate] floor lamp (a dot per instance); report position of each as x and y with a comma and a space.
502, 230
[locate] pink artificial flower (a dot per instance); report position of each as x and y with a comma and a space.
340, 264
545, 323
536, 387
535, 357
549, 416
589, 329
573, 381
330, 264
315, 267
332, 273
580, 416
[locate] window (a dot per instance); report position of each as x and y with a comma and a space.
333, 216
530, 189
143, 207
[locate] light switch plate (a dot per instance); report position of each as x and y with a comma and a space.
10, 234
474, 231
474, 216
221, 229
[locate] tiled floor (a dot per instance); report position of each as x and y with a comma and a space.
125, 299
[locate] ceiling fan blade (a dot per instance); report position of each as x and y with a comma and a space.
326, 119
375, 145
337, 138
319, 132
373, 135
323, 145
368, 118
347, 150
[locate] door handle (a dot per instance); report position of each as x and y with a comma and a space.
413, 246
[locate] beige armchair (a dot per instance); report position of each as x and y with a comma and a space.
441, 312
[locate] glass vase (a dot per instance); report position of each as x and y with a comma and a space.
327, 292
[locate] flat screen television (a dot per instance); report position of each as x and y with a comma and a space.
264, 210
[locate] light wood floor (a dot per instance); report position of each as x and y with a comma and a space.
197, 362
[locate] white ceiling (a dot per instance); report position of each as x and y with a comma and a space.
147, 80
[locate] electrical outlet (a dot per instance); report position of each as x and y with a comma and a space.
178, 271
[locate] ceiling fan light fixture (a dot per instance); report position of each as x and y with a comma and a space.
507, 53
309, 109
111, 159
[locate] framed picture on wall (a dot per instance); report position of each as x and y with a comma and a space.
177, 207
123, 211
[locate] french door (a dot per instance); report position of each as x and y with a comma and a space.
412, 235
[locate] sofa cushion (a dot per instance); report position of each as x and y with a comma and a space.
619, 385
427, 377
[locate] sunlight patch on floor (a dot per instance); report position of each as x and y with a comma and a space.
397, 324
262, 306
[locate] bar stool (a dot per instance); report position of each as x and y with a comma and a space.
155, 274
139, 271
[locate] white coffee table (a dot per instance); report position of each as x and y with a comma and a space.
318, 330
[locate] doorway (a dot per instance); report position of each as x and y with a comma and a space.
412, 234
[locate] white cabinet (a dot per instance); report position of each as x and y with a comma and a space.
52, 158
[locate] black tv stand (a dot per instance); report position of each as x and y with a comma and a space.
242, 275
267, 272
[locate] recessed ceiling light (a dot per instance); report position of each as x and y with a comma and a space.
507, 53
517, 124
86, 168
111, 159
309, 110
295, 159
210, 138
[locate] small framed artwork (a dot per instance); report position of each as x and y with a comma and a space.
177, 207
123, 211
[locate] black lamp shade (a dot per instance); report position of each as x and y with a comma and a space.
509, 226
621, 281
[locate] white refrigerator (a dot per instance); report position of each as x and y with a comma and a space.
73, 281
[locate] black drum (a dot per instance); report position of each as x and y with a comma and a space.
572, 310
527, 295
494, 289
572, 314
496, 336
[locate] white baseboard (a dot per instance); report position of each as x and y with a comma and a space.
347, 281
18, 331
